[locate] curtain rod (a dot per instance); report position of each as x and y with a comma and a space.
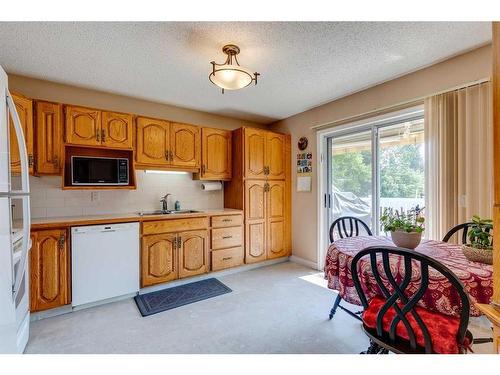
396, 107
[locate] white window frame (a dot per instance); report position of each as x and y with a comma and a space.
373, 124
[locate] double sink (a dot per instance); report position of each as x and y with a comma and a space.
167, 212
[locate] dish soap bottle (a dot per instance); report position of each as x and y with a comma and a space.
177, 205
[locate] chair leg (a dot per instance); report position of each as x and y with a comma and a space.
482, 340
375, 349
335, 305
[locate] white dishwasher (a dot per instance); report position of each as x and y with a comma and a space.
105, 262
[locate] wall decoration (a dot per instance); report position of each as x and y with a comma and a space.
302, 144
304, 163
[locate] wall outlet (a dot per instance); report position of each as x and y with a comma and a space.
94, 196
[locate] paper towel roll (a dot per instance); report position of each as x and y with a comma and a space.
210, 186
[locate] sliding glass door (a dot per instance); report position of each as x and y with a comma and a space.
378, 166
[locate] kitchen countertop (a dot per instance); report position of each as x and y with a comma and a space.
68, 221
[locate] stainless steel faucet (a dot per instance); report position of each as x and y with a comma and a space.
164, 202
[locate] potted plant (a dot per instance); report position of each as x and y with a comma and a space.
480, 248
406, 227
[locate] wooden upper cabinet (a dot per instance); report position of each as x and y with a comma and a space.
83, 126
24, 107
275, 155
185, 145
116, 130
193, 253
49, 137
255, 151
216, 154
158, 259
49, 269
152, 142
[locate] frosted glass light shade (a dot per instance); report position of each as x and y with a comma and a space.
231, 77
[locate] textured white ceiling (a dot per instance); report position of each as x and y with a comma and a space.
302, 64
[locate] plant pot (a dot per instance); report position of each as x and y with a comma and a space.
408, 240
478, 255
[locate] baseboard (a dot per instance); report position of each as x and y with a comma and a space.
304, 262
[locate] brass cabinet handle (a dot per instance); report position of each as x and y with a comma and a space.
61, 242
179, 241
227, 220
97, 136
103, 135
226, 237
227, 258
55, 161
171, 155
266, 170
203, 169
30, 160
166, 155
266, 187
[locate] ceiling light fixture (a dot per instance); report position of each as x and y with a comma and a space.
230, 75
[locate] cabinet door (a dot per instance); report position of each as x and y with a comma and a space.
116, 130
48, 128
153, 142
255, 221
216, 154
185, 145
49, 259
275, 224
255, 150
193, 253
24, 108
158, 259
83, 126
275, 155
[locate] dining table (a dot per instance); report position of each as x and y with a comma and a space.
477, 278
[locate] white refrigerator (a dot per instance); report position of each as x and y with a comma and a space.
14, 227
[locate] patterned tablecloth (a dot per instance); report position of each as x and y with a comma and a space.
476, 277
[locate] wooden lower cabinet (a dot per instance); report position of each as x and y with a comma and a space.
193, 253
49, 269
168, 253
158, 259
227, 258
255, 241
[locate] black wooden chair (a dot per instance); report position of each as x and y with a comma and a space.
346, 226
394, 322
464, 227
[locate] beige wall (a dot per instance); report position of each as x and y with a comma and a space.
472, 66
51, 91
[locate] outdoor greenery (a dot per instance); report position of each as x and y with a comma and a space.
401, 172
480, 233
410, 221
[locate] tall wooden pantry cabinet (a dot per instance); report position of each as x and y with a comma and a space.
261, 187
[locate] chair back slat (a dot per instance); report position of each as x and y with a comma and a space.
348, 226
397, 295
390, 302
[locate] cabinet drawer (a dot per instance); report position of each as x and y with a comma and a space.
227, 237
174, 225
227, 258
227, 221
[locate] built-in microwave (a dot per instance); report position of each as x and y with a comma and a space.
90, 170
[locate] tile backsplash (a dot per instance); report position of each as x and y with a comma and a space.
49, 200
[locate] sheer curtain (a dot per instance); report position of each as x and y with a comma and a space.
459, 157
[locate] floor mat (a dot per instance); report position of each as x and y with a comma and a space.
166, 299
